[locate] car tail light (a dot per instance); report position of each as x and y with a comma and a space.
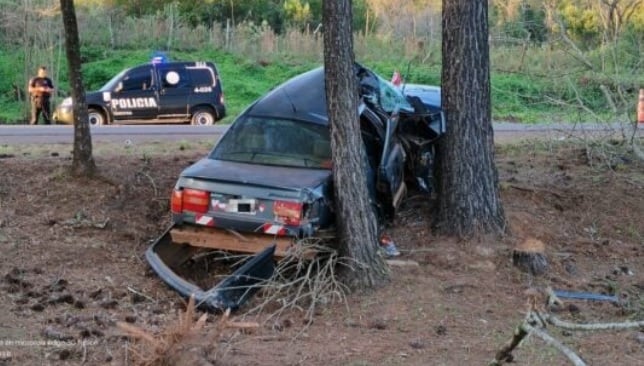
176, 202
290, 213
221, 98
195, 200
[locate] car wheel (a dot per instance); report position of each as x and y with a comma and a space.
95, 117
203, 117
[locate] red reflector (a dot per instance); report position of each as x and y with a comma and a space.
176, 201
195, 200
288, 212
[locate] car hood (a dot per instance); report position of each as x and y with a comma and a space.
94, 97
257, 175
428, 94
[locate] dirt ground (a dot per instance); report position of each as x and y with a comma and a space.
72, 265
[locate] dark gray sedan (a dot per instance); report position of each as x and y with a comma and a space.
269, 179
271, 172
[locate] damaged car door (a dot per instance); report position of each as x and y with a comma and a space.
386, 104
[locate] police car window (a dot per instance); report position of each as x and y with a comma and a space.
110, 85
137, 80
174, 78
201, 77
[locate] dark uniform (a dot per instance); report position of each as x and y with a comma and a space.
40, 99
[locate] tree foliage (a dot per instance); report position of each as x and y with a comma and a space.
585, 20
525, 19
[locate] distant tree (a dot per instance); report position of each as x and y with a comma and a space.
297, 12
355, 220
83, 160
468, 187
520, 19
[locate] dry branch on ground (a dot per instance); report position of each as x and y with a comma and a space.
538, 318
181, 343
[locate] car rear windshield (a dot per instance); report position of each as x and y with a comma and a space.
201, 76
270, 141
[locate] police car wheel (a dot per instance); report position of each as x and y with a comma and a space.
96, 118
203, 117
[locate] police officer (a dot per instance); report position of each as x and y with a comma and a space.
40, 90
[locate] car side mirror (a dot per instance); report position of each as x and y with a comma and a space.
119, 87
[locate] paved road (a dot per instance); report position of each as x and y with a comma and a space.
23, 134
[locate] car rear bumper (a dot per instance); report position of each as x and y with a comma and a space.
220, 110
164, 256
245, 225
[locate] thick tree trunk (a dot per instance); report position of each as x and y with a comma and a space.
356, 222
468, 189
83, 161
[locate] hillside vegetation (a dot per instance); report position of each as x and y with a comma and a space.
563, 60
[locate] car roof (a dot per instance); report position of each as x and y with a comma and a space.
302, 98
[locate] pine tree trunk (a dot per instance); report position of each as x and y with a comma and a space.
468, 189
355, 220
83, 161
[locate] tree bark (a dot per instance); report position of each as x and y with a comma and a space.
468, 186
83, 161
355, 219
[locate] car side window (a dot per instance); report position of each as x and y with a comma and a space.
201, 77
140, 79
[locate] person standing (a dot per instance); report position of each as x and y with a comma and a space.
40, 90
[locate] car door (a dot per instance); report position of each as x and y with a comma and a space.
391, 178
175, 89
134, 98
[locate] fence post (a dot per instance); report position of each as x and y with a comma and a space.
228, 34
640, 108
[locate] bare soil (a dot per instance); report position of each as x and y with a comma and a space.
72, 266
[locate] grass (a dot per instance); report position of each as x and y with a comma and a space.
529, 96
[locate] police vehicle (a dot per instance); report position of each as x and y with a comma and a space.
171, 92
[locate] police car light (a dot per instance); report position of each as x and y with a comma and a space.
159, 57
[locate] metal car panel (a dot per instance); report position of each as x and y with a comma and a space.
255, 174
164, 256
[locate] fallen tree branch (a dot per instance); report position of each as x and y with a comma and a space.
597, 326
536, 320
505, 353
572, 356
139, 293
152, 183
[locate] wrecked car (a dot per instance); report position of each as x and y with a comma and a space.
268, 180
